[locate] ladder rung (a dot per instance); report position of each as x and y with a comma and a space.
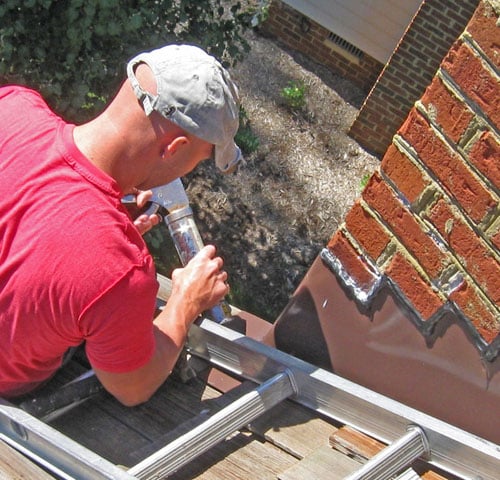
398, 456
216, 428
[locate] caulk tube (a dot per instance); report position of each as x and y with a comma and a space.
188, 243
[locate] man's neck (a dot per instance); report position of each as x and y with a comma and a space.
108, 145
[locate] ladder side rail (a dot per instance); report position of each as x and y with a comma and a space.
451, 449
216, 428
54, 450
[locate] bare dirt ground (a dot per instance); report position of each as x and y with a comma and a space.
272, 218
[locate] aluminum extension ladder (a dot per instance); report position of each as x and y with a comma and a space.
410, 434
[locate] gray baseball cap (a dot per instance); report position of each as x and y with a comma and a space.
195, 92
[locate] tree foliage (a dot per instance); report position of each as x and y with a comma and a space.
74, 51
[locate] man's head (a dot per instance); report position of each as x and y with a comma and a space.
194, 92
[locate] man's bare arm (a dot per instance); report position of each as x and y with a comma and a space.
195, 288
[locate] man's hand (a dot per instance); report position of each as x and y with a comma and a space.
144, 222
202, 282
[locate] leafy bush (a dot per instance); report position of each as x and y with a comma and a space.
245, 138
74, 51
295, 95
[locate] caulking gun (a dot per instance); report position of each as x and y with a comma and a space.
184, 232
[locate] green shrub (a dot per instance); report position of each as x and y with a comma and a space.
260, 13
245, 138
294, 95
74, 51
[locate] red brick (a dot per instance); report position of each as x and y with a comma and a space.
483, 27
352, 262
476, 311
405, 175
451, 114
476, 258
477, 82
496, 240
378, 195
485, 155
454, 175
366, 230
425, 301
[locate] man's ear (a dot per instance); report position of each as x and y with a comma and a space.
176, 143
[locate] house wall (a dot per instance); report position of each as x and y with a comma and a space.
374, 26
410, 69
428, 222
310, 38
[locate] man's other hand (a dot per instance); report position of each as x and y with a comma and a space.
144, 222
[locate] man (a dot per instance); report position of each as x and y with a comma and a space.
73, 266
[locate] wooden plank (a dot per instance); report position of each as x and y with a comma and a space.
242, 457
355, 444
15, 466
171, 405
97, 430
293, 428
213, 401
324, 463
115, 432
431, 475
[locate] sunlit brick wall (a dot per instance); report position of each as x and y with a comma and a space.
428, 222
435, 27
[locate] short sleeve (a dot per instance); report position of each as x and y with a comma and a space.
118, 326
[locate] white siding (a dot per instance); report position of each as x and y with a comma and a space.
374, 26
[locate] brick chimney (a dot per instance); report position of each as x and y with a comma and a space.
429, 221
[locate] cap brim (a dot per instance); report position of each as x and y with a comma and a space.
227, 157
